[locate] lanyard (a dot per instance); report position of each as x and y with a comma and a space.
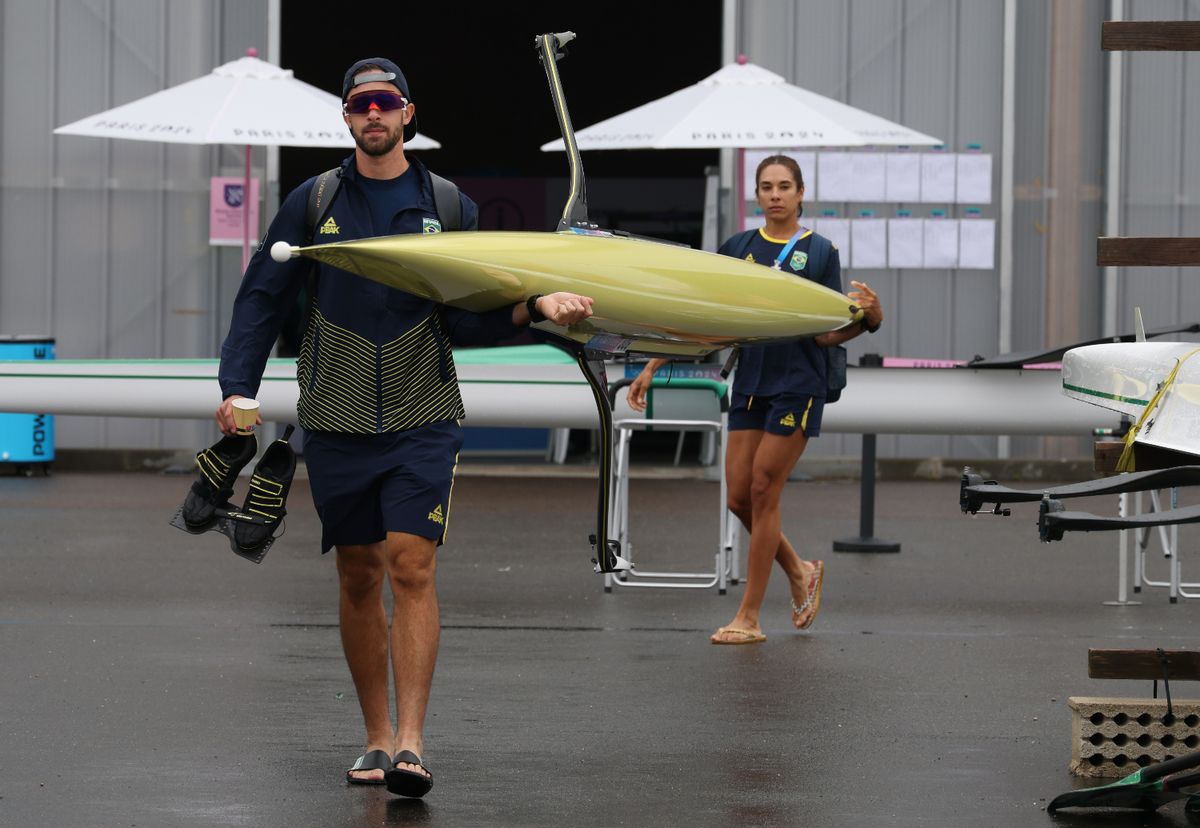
787, 248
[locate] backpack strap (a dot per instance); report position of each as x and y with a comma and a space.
818, 253
319, 198
446, 202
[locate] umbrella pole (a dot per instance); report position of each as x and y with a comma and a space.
246, 212
741, 190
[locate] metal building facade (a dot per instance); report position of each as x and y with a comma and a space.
104, 244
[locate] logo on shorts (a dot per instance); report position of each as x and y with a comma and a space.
437, 517
330, 227
431, 225
789, 420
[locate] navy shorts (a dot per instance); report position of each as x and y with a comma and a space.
366, 485
780, 414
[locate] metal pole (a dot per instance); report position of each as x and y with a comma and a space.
866, 494
727, 213
1112, 227
866, 540
1007, 155
1123, 558
1112, 175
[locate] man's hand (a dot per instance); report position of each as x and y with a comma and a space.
561, 308
225, 415
564, 308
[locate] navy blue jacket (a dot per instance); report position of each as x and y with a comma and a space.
374, 359
801, 365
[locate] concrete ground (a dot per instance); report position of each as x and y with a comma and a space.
151, 678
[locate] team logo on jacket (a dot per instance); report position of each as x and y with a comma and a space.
431, 225
330, 227
799, 260
437, 517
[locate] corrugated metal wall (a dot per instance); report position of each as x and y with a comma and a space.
104, 244
937, 66
1160, 175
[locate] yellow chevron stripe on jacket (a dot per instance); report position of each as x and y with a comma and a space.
349, 385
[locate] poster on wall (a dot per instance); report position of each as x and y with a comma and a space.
906, 238
973, 178
977, 243
903, 177
226, 203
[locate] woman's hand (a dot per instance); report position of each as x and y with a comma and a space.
641, 385
868, 302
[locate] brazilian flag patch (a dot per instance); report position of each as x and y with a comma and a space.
431, 225
799, 260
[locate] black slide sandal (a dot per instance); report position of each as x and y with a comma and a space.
371, 760
405, 782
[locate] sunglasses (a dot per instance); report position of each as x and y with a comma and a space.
382, 100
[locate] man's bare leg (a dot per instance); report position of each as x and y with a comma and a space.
363, 624
416, 630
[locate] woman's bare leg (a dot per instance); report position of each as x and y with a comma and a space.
757, 468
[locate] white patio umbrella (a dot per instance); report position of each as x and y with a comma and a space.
246, 101
744, 106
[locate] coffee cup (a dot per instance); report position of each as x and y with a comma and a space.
245, 415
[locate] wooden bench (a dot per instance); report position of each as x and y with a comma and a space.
1141, 665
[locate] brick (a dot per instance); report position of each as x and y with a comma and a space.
1112, 737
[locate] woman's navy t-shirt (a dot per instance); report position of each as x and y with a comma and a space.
798, 366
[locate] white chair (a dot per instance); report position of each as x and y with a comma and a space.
706, 402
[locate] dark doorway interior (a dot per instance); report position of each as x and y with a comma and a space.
481, 91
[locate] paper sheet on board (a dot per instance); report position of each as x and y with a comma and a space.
837, 230
974, 178
941, 242
903, 177
937, 177
868, 180
868, 241
835, 172
906, 242
977, 243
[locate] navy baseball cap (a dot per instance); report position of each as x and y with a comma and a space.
388, 72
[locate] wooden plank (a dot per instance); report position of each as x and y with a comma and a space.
1106, 454
1147, 251
1150, 36
1141, 665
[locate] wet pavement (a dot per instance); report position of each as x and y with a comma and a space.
152, 678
